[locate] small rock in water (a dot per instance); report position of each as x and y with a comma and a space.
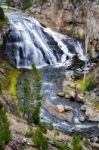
61, 94
82, 118
67, 96
67, 108
61, 108
83, 107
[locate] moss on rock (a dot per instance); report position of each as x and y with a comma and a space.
11, 75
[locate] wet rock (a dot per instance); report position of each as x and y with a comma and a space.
53, 110
82, 118
94, 139
67, 96
83, 107
60, 108
61, 94
69, 75
72, 94
67, 108
92, 114
77, 62
80, 98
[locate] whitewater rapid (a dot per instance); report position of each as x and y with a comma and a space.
28, 42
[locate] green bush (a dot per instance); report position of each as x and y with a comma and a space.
90, 85
40, 140
26, 4
61, 145
5, 134
2, 15
76, 142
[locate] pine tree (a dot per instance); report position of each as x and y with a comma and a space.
40, 140
5, 134
2, 15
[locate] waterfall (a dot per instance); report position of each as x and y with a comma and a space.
28, 42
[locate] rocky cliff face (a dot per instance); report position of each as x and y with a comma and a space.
79, 19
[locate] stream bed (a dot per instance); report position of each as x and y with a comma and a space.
52, 83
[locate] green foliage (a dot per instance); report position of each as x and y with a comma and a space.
43, 127
36, 114
8, 2
76, 142
41, 2
26, 95
90, 85
86, 140
39, 139
10, 81
50, 126
30, 97
5, 134
26, 4
61, 145
2, 15
30, 132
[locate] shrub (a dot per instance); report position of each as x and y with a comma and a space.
61, 145
76, 142
2, 15
40, 140
26, 4
5, 134
90, 85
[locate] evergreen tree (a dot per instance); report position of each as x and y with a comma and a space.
76, 142
5, 134
25, 97
30, 96
2, 15
40, 140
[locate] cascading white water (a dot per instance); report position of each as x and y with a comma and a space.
30, 43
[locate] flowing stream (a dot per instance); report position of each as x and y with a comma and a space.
28, 42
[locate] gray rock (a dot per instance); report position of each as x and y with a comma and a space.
67, 108
61, 94
83, 107
82, 118
94, 139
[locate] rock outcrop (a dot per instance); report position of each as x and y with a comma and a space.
73, 18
